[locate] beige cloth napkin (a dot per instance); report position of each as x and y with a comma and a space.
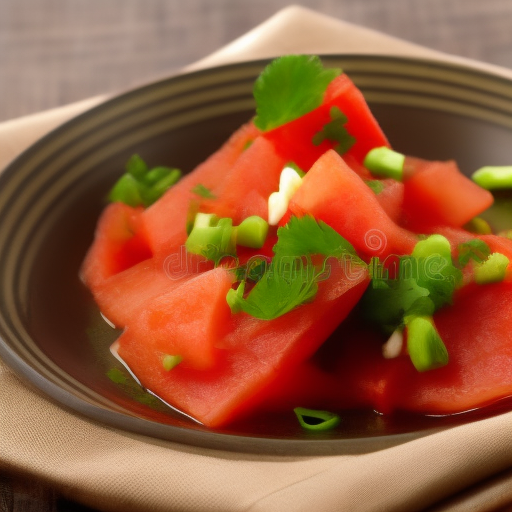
463, 468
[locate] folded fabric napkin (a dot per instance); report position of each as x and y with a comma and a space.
463, 468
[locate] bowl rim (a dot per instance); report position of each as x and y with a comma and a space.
212, 439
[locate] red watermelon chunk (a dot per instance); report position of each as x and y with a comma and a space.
476, 332
350, 371
335, 194
438, 194
391, 199
294, 140
165, 221
122, 296
252, 352
246, 186
120, 242
186, 321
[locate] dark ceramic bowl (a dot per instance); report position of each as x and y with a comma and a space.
51, 196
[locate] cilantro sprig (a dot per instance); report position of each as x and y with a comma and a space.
291, 279
284, 286
290, 87
306, 236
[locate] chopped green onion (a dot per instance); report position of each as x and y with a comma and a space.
140, 186
158, 173
478, 226
170, 361
385, 163
492, 270
117, 376
158, 189
126, 190
205, 220
493, 178
247, 145
136, 167
211, 237
433, 245
252, 232
312, 419
228, 242
234, 298
426, 348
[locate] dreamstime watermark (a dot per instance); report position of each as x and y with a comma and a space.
182, 263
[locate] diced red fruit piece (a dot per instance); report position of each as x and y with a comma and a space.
165, 221
361, 124
120, 242
254, 353
294, 140
245, 187
187, 321
438, 194
335, 194
122, 296
350, 371
391, 199
476, 332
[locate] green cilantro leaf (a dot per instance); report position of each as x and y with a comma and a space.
305, 236
204, 192
335, 131
282, 288
291, 278
423, 282
386, 302
476, 250
288, 88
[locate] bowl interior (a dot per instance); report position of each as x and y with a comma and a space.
51, 197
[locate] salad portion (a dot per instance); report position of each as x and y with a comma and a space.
228, 282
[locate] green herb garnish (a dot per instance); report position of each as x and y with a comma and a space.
494, 177
305, 236
422, 283
425, 346
336, 132
285, 285
288, 88
141, 186
291, 279
204, 192
492, 270
385, 163
376, 185
476, 250
311, 419
169, 361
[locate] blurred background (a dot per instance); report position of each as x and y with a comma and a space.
53, 52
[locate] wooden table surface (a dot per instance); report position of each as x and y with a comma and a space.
53, 52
